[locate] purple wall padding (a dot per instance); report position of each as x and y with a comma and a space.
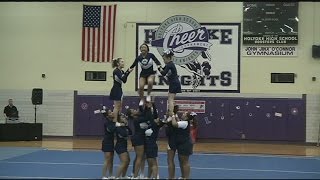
224, 118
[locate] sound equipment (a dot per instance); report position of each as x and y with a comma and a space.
37, 96
21, 132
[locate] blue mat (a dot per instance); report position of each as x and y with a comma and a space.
10, 152
42, 163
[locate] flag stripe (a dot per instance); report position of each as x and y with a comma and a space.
114, 26
96, 45
109, 24
107, 35
88, 44
98, 50
104, 33
93, 43
83, 43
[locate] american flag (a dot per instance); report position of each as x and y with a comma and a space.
98, 29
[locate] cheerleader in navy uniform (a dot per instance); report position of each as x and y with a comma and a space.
119, 77
139, 118
108, 144
121, 147
151, 146
147, 74
183, 142
171, 147
170, 71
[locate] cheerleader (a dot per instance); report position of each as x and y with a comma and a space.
121, 147
137, 139
170, 72
147, 74
119, 77
171, 147
183, 143
151, 146
108, 145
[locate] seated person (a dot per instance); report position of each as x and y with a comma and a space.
10, 111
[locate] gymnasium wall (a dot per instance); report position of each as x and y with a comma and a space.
254, 118
45, 37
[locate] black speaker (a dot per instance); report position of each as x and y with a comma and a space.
36, 96
315, 51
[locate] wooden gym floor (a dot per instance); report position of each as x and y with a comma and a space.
202, 146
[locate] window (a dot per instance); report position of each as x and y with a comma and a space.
282, 77
95, 75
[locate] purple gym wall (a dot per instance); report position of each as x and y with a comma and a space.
224, 118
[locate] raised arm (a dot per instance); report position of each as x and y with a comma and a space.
156, 60
134, 63
165, 70
179, 124
122, 76
125, 76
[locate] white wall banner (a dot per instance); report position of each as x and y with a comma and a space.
269, 51
206, 55
191, 105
